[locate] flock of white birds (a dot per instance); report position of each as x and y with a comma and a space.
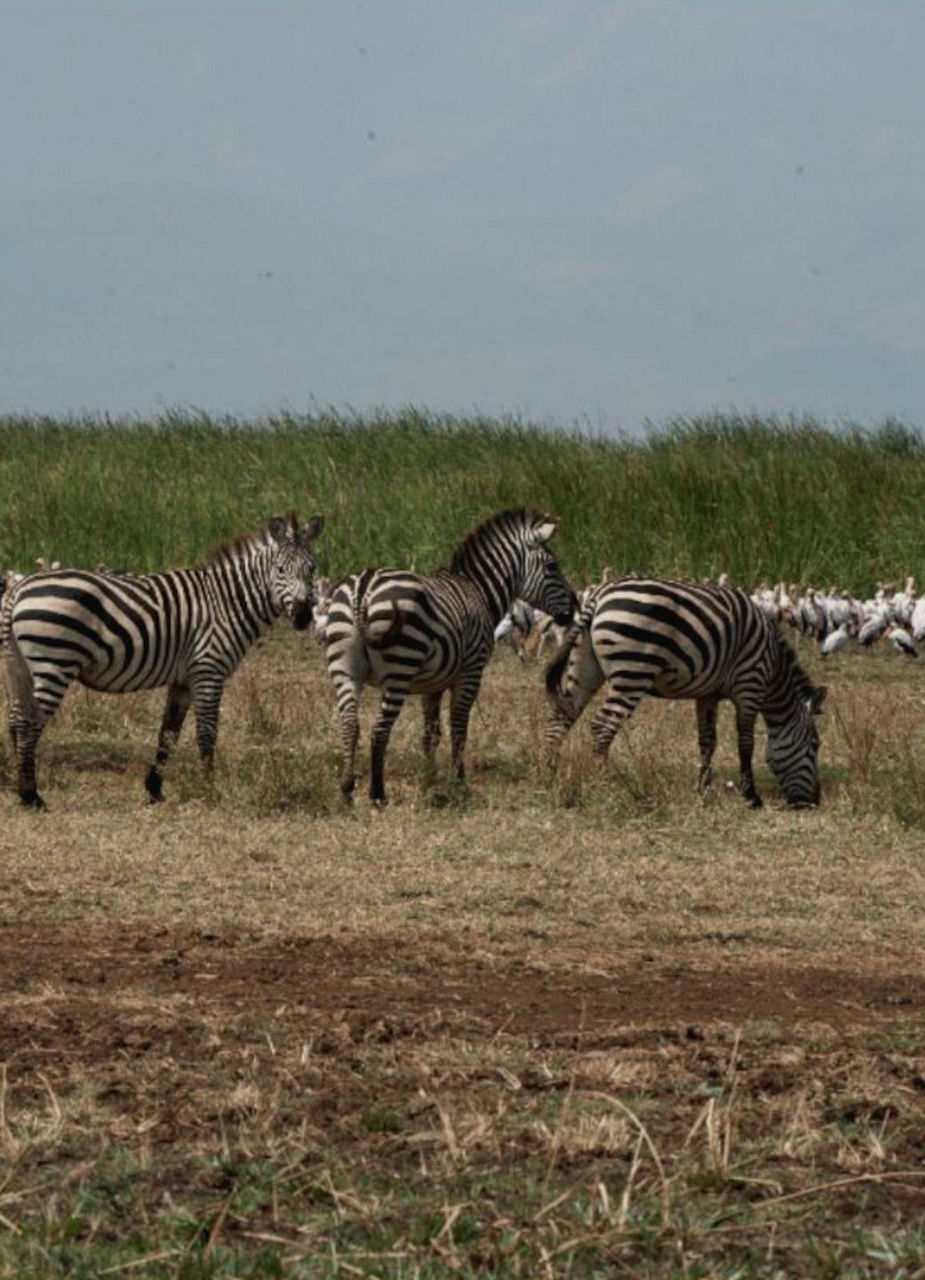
830, 619
834, 618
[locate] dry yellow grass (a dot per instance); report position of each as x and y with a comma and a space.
600, 860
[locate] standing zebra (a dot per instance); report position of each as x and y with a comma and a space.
415, 633
187, 629
679, 640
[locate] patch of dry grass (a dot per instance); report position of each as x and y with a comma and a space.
627, 854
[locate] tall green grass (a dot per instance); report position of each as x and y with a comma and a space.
754, 497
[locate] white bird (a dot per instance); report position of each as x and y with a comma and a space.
834, 641
903, 602
504, 628
518, 624
873, 628
902, 641
767, 601
918, 619
321, 608
838, 608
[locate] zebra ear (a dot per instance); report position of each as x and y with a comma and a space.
542, 531
313, 529
281, 528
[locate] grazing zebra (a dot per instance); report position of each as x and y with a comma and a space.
187, 629
415, 633
679, 640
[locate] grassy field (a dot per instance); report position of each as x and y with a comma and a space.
581, 1026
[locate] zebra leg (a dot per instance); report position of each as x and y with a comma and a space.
745, 729
607, 722
207, 701
347, 693
706, 740
392, 700
24, 736
462, 697
175, 709
28, 715
560, 720
580, 682
430, 705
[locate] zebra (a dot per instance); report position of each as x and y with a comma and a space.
659, 637
425, 633
187, 629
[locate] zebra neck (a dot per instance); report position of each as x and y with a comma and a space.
782, 701
242, 582
494, 576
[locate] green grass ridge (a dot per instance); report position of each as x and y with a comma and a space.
756, 497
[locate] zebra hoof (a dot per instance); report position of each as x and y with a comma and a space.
32, 800
754, 802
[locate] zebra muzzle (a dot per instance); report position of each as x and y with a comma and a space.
301, 615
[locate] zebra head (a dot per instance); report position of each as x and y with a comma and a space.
292, 589
544, 585
793, 748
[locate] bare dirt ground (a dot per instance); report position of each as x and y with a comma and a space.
96, 999
404, 983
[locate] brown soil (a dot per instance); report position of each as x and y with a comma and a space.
99, 977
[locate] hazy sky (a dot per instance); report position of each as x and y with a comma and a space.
567, 211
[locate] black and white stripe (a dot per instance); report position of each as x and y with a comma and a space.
661, 638
187, 629
426, 633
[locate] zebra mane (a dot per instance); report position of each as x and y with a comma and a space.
233, 548
512, 516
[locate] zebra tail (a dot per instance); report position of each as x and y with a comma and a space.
556, 668
16, 670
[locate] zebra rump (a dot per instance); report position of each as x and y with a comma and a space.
659, 637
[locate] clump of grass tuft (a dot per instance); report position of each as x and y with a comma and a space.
879, 733
278, 779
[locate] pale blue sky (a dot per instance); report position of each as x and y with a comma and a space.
570, 212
